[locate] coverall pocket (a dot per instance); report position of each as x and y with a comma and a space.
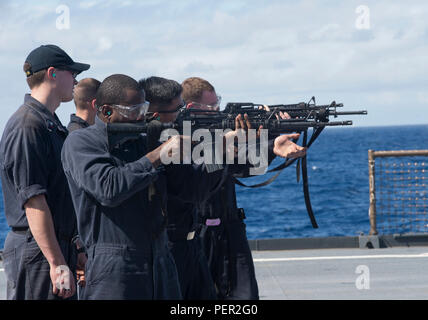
33, 254
10, 269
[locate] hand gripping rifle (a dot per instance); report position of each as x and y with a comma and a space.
303, 117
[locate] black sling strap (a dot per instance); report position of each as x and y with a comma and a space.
306, 185
303, 165
231, 276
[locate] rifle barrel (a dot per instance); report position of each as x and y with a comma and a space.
348, 113
310, 124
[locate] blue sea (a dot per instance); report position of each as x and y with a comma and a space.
338, 184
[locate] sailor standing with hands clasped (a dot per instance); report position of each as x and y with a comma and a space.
39, 252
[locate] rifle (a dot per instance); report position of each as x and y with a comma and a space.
303, 116
299, 112
310, 114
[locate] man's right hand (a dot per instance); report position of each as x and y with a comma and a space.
63, 282
170, 149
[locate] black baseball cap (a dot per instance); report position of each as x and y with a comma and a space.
51, 55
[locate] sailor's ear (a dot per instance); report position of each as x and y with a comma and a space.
94, 104
107, 111
51, 73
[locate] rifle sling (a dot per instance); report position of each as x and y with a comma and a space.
287, 163
306, 185
281, 167
265, 183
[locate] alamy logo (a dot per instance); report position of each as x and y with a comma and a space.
363, 280
363, 20
63, 279
63, 20
230, 147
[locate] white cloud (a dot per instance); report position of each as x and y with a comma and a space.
271, 52
104, 44
89, 4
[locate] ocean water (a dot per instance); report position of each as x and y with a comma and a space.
338, 185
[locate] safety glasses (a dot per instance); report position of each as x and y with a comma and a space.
215, 106
180, 106
132, 112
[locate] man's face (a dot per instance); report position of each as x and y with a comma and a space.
132, 98
209, 98
209, 101
170, 112
65, 81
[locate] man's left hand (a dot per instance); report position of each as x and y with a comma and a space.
284, 147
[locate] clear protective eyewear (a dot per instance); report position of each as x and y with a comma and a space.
215, 106
132, 112
178, 108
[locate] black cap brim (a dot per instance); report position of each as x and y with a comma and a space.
79, 67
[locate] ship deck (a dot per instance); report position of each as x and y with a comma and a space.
349, 273
343, 274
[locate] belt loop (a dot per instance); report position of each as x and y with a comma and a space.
203, 230
29, 235
91, 252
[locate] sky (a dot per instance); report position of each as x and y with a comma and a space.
370, 55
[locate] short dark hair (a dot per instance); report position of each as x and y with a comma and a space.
113, 89
160, 91
35, 79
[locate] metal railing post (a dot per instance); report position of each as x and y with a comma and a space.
372, 191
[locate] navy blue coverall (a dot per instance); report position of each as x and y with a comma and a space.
121, 207
192, 266
30, 165
224, 239
76, 123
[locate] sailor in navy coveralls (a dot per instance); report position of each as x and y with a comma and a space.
120, 196
37, 200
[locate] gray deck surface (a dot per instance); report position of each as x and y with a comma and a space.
389, 273
2, 282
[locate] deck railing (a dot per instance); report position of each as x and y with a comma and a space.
398, 182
